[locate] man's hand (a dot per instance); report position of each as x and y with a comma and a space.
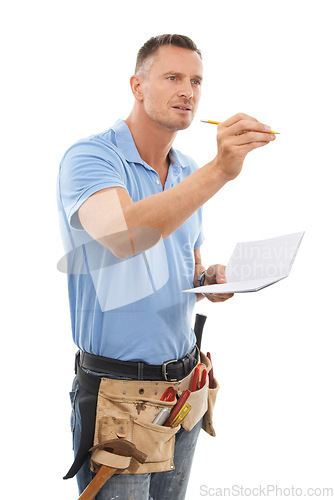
215, 275
236, 137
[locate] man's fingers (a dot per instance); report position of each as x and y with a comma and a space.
245, 131
215, 274
218, 297
249, 137
236, 118
236, 137
246, 148
243, 126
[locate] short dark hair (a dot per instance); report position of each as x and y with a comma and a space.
153, 44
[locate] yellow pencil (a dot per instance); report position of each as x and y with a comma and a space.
217, 123
210, 121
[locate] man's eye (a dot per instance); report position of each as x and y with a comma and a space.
197, 82
172, 78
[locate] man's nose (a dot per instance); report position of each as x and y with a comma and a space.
186, 91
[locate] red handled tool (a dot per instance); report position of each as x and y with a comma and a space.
195, 380
201, 367
182, 399
203, 379
169, 394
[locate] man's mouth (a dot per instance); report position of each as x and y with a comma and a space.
184, 108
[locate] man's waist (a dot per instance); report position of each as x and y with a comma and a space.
170, 370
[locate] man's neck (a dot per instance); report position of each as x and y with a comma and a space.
152, 141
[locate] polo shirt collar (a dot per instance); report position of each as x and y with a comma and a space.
127, 146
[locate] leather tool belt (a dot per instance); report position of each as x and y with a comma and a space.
125, 409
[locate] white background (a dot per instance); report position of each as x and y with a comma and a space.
66, 72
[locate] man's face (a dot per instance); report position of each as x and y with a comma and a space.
171, 87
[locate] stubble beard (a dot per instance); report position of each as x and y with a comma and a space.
171, 124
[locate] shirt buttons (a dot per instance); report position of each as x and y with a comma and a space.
158, 182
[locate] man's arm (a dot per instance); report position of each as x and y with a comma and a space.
161, 214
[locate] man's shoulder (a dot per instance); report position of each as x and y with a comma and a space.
100, 145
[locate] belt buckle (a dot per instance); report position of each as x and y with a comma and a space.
164, 369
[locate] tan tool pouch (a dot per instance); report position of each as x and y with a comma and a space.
127, 408
204, 401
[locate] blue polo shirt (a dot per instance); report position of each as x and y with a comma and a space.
132, 308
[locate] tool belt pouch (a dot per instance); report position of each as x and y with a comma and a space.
126, 410
207, 422
203, 400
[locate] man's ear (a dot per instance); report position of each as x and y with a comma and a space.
136, 82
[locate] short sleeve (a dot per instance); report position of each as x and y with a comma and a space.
199, 240
201, 237
86, 168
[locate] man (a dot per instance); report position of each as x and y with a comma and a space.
131, 222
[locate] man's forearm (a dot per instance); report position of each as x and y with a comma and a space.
168, 210
152, 218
